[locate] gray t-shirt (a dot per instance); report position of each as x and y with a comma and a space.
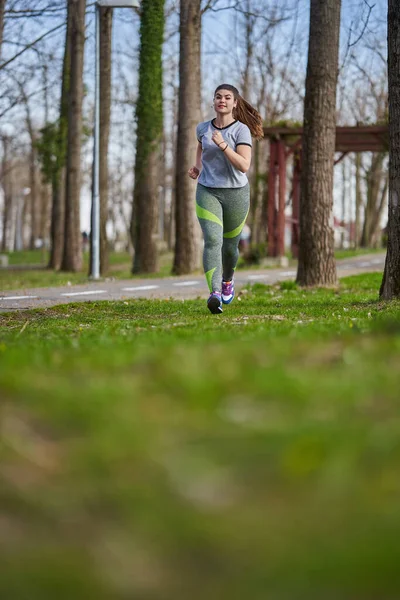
218, 171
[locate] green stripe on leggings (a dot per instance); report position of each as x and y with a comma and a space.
202, 213
237, 230
209, 275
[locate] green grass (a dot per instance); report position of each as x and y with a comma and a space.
27, 257
350, 252
153, 451
120, 268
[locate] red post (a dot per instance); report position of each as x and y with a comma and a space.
282, 197
271, 198
296, 206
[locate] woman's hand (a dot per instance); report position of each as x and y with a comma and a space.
217, 138
194, 172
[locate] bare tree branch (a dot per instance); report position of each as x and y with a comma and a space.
31, 45
350, 45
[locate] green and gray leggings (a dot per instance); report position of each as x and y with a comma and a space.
222, 213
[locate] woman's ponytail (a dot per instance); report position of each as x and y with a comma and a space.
247, 114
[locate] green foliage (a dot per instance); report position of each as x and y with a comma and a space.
152, 450
383, 120
253, 256
286, 123
51, 150
52, 147
149, 109
52, 143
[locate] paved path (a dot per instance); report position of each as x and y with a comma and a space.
168, 287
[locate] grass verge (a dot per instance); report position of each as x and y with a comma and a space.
20, 278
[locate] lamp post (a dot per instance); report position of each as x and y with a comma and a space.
95, 216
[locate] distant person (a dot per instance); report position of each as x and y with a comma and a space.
85, 241
244, 242
223, 193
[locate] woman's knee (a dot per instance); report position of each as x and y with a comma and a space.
212, 240
230, 250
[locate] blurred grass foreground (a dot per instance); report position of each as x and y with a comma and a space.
151, 451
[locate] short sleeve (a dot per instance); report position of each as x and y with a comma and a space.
243, 137
198, 133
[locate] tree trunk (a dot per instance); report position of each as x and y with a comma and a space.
163, 192
44, 214
358, 200
373, 206
255, 188
262, 227
376, 235
57, 221
106, 16
186, 257
342, 236
72, 254
390, 287
34, 234
33, 195
316, 249
7, 194
173, 149
149, 113
249, 22
58, 177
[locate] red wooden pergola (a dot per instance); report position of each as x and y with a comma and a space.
285, 141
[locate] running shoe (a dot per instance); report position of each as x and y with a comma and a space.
228, 291
214, 303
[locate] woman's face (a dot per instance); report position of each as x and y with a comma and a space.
224, 102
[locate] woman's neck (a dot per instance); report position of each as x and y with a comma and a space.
223, 120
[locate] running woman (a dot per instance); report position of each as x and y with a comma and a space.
223, 193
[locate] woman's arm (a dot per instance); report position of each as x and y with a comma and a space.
199, 150
194, 172
241, 159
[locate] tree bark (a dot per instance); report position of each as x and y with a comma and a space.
249, 21
7, 193
149, 114
316, 250
106, 17
358, 200
58, 176
342, 236
255, 189
376, 236
173, 148
72, 254
34, 209
390, 287
373, 206
44, 214
45, 189
186, 257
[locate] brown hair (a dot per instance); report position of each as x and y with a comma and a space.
245, 112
